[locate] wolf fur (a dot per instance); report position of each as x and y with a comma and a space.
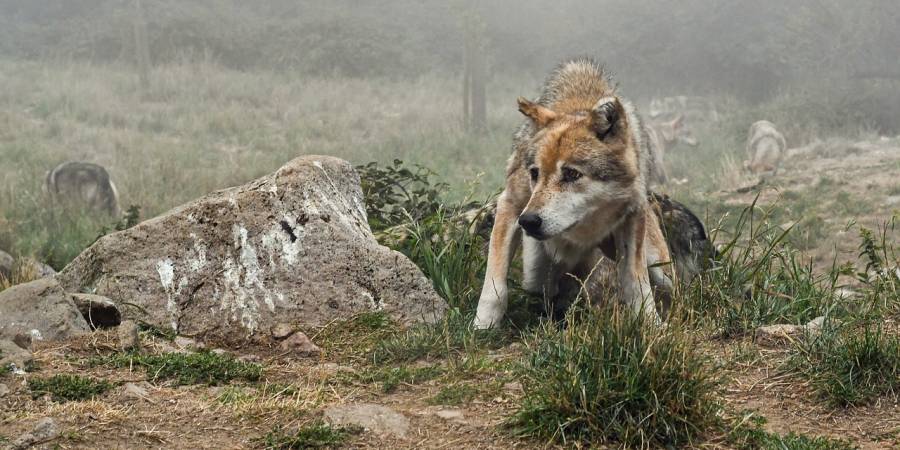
577, 178
85, 185
765, 148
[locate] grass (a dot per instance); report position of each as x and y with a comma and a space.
751, 435
607, 378
850, 365
456, 394
65, 387
203, 367
391, 378
313, 435
759, 279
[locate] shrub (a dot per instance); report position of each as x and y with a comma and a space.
63, 388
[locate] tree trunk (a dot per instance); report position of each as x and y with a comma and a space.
141, 46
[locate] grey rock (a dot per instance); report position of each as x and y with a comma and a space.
12, 354
816, 324
281, 331
777, 334
187, 343
4, 389
98, 311
129, 336
454, 415
136, 391
378, 419
44, 430
42, 309
299, 344
292, 247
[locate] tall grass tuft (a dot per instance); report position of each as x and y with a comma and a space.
610, 378
850, 365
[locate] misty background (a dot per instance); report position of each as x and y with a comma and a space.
752, 50
179, 98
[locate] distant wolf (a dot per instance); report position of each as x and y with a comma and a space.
765, 148
661, 137
577, 179
83, 184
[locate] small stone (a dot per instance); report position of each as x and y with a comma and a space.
777, 334
24, 340
4, 389
378, 419
513, 386
13, 355
282, 331
188, 343
135, 391
44, 430
219, 351
300, 345
331, 368
455, 415
815, 324
129, 339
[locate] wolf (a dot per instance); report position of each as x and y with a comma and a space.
662, 136
765, 148
577, 179
83, 184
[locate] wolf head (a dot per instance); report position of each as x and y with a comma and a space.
579, 164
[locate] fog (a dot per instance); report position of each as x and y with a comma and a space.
748, 49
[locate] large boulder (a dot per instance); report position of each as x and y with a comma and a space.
40, 309
291, 247
7, 262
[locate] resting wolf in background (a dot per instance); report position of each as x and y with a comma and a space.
765, 147
577, 177
83, 184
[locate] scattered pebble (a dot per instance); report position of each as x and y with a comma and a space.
128, 336
300, 345
44, 430
378, 419
282, 331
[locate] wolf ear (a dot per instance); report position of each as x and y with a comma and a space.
607, 117
538, 114
677, 122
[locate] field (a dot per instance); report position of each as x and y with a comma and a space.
817, 239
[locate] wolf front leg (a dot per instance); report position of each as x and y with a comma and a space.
504, 237
633, 275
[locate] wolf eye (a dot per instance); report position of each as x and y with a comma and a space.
569, 175
534, 173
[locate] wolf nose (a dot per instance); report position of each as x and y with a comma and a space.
531, 223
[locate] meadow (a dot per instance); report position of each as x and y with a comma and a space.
815, 240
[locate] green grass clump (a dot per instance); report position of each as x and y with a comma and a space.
759, 279
455, 395
315, 435
203, 367
65, 387
752, 436
850, 365
609, 378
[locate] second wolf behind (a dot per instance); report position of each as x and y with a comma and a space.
765, 148
84, 185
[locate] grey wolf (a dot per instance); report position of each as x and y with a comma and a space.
765, 148
83, 185
577, 178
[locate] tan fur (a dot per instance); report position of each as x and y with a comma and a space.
577, 178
